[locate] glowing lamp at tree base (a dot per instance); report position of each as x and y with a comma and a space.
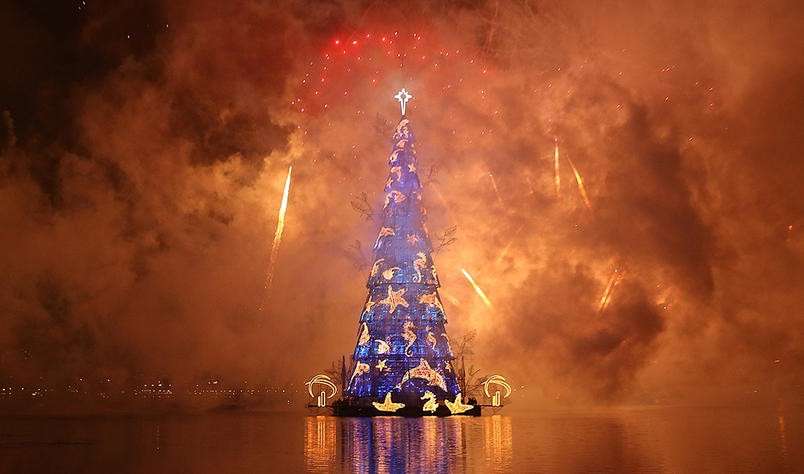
326, 382
498, 380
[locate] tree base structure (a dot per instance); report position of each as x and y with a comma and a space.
365, 408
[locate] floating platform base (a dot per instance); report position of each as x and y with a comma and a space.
355, 408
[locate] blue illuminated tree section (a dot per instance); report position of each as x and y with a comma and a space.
402, 344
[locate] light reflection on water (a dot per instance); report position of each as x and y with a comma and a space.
391, 444
673, 440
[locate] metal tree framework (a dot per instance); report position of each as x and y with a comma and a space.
402, 346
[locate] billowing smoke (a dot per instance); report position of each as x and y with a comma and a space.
139, 196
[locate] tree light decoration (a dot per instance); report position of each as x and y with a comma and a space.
457, 407
387, 405
402, 346
431, 404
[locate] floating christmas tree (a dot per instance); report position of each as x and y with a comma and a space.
403, 356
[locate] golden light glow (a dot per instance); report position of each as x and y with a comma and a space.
424, 371
384, 232
615, 278
478, 290
500, 381
432, 300
320, 443
419, 263
360, 369
387, 405
325, 381
382, 347
408, 335
457, 407
376, 267
581, 187
280, 227
431, 339
498, 441
431, 404
365, 336
556, 168
389, 273
394, 299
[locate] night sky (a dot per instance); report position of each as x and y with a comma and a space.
145, 146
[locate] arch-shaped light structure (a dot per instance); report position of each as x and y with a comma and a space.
499, 381
325, 381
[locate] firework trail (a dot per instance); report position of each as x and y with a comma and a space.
530, 185
557, 169
449, 297
508, 245
496, 190
478, 290
581, 187
443, 200
280, 227
615, 278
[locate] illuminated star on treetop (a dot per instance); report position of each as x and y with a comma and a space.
403, 97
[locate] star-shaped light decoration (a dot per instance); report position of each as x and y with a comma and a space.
457, 407
381, 365
403, 97
412, 168
369, 304
412, 239
394, 299
388, 404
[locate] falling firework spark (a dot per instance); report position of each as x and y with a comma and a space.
607, 292
280, 226
496, 190
478, 290
581, 187
508, 245
450, 298
443, 200
530, 185
557, 169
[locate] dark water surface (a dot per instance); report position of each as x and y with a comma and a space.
673, 440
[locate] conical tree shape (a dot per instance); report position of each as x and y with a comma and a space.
402, 344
